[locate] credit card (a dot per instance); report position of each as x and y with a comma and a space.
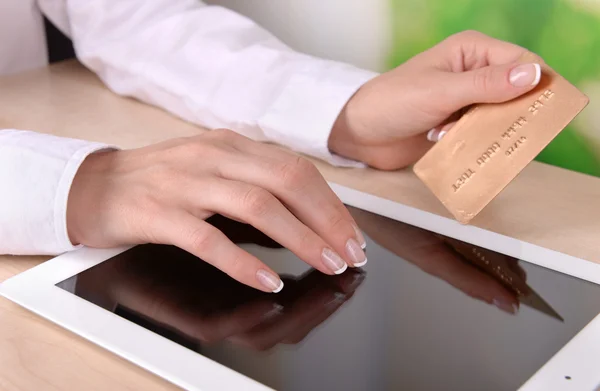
492, 143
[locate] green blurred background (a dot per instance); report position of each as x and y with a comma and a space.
566, 33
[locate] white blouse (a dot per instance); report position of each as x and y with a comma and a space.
205, 64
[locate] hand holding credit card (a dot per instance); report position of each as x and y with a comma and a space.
492, 143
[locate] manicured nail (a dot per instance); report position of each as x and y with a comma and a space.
356, 253
360, 237
525, 75
269, 281
333, 261
432, 135
505, 306
436, 135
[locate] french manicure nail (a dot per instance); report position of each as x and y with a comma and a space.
432, 135
505, 306
360, 237
333, 261
525, 75
269, 281
436, 135
355, 253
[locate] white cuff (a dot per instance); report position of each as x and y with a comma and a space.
303, 115
36, 171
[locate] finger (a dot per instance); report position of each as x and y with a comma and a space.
322, 195
475, 49
212, 246
495, 51
240, 232
492, 84
436, 134
299, 185
261, 209
283, 162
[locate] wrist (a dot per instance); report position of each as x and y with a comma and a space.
338, 142
345, 138
84, 193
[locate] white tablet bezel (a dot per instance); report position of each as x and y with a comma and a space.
36, 290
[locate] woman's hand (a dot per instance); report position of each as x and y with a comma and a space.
163, 193
393, 119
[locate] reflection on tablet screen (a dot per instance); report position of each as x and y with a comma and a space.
427, 312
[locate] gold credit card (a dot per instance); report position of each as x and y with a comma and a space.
492, 143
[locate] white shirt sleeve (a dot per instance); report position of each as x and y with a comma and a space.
211, 66
205, 64
36, 172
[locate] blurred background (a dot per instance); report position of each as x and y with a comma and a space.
381, 34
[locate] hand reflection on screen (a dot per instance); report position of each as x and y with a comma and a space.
437, 256
207, 306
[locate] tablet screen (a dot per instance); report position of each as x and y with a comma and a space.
426, 313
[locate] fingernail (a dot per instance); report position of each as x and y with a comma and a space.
269, 281
333, 261
436, 135
525, 75
356, 253
505, 306
432, 135
360, 237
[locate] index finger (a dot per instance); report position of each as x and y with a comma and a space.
298, 184
478, 50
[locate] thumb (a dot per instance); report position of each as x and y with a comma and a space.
496, 83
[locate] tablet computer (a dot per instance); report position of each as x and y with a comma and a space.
438, 306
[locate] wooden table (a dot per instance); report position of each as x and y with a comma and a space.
545, 205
